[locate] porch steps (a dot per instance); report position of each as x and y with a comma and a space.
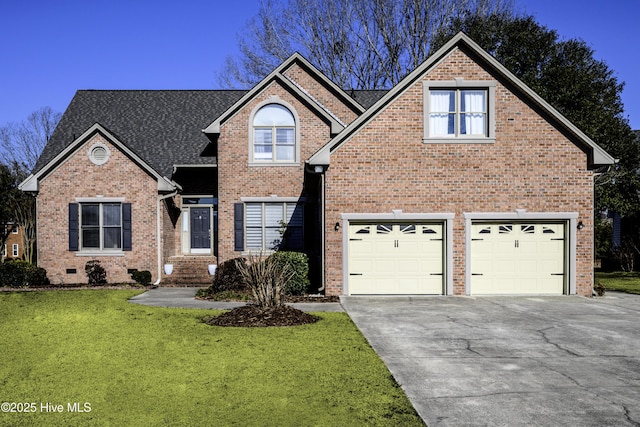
189, 271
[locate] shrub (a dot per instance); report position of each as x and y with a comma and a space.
600, 288
96, 273
298, 263
17, 273
142, 277
226, 279
266, 279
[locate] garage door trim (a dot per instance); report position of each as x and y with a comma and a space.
520, 215
397, 215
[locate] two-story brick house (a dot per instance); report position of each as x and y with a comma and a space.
459, 180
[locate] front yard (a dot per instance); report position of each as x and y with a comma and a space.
92, 358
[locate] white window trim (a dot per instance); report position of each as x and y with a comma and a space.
82, 251
4, 250
461, 84
271, 163
15, 250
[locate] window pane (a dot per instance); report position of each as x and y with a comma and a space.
90, 215
262, 144
285, 153
91, 238
253, 213
285, 136
442, 116
112, 238
273, 214
473, 105
273, 115
111, 214
254, 238
272, 237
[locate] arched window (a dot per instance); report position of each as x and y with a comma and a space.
274, 135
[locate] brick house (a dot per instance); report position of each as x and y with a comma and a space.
459, 180
13, 247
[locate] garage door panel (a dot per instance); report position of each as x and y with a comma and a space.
395, 258
515, 258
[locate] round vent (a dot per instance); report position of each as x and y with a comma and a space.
99, 154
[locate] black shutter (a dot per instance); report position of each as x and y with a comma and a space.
126, 226
74, 225
238, 226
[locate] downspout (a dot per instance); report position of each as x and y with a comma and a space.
158, 231
324, 233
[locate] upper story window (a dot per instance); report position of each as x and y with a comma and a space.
459, 111
274, 135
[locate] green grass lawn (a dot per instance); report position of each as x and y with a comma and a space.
138, 365
620, 281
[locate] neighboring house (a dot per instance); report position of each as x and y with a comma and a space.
13, 247
459, 180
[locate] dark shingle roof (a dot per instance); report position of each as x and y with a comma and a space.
367, 98
163, 127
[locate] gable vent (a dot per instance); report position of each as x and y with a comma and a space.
99, 154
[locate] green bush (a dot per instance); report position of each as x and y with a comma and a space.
96, 273
142, 277
600, 288
299, 266
18, 274
226, 279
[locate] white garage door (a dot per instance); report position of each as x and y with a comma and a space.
395, 258
517, 258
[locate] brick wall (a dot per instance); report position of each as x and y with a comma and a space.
320, 93
236, 179
530, 166
79, 177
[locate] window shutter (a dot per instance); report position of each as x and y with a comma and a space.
126, 226
73, 227
238, 226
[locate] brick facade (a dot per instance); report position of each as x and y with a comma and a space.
238, 179
384, 165
78, 177
530, 166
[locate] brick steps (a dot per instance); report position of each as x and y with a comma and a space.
189, 271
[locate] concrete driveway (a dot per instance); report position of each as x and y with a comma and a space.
510, 361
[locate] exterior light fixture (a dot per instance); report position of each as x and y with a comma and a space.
337, 226
580, 225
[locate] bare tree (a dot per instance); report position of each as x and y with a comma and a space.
22, 142
20, 146
359, 44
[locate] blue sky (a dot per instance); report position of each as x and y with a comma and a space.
50, 49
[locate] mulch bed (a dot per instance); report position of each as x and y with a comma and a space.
251, 315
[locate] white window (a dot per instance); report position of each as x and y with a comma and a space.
274, 135
14, 250
459, 111
14, 230
101, 226
4, 250
271, 226
456, 113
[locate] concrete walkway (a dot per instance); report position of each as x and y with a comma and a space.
510, 361
185, 298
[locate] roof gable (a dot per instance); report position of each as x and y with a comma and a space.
279, 75
31, 184
596, 155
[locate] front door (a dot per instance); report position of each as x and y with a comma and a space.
200, 230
